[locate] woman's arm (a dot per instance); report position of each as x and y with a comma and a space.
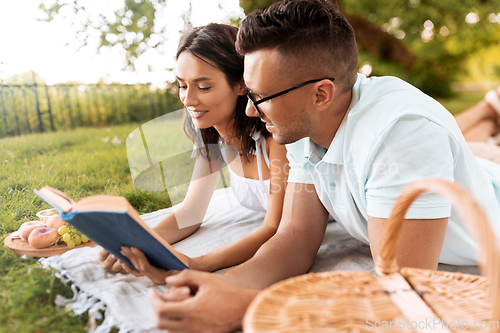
187, 218
189, 215
243, 249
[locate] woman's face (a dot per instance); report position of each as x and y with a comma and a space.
205, 92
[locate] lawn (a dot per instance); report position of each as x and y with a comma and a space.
80, 162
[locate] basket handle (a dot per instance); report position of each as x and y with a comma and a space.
471, 213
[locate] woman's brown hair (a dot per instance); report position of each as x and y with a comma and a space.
215, 45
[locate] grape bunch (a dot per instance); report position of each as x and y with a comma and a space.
71, 236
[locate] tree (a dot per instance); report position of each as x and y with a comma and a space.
130, 28
426, 42
24, 78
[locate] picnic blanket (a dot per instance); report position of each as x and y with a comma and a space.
124, 298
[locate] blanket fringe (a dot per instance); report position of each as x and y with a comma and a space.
82, 302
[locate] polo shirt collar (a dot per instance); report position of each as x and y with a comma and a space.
314, 152
334, 154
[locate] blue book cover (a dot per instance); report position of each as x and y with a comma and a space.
112, 222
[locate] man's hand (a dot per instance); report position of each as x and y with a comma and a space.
144, 268
217, 305
110, 262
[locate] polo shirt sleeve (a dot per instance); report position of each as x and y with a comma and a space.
297, 155
415, 148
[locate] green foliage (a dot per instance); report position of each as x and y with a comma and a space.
436, 32
28, 293
80, 162
75, 105
251, 5
130, 28
461, 100
26, 77
483, 66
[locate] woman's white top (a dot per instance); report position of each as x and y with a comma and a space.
251, 193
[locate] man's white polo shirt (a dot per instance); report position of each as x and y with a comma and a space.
394, 134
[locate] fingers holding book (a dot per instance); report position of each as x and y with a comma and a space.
144, 268
110, 262
139, 260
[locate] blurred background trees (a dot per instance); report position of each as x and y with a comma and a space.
130, 28
430, 43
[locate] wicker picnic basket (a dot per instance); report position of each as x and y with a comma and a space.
406, 300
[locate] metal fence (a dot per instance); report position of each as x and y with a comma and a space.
28, 108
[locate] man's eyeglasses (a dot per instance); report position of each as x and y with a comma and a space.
255, 103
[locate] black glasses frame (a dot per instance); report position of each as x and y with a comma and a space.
255, 103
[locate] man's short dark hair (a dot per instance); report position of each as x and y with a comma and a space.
314, 32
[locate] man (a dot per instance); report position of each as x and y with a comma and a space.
353, 143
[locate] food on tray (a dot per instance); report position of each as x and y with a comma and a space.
27, 227
43, 237
71, 236
112, 223
55, 221
45, 214
52, 229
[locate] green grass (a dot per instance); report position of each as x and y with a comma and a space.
79, 163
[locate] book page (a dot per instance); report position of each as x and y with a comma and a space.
102, 203
56, 198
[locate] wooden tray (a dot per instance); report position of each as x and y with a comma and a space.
21, 247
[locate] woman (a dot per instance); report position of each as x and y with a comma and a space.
209, 73
481, 121
480, 125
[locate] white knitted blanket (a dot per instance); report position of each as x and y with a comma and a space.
124, 298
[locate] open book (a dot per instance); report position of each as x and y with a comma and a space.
112, 222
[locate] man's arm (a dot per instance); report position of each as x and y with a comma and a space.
218, 305
184, 221
420, 243
407, 155
292, 250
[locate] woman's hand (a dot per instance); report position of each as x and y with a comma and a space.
110, 262
144, 268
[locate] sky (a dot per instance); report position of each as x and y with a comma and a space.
27, 44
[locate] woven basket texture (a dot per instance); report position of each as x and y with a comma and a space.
324, 302
406, 300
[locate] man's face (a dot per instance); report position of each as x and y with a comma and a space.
285, 116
